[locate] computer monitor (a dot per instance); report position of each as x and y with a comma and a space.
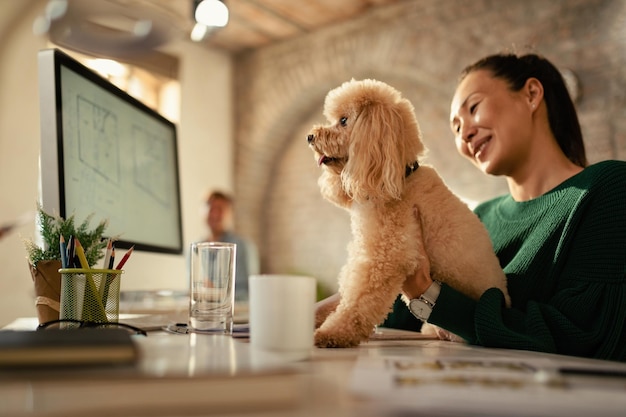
106, 154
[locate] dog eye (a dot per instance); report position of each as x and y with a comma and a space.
343, 121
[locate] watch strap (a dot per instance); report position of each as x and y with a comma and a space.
432, 293
422, 306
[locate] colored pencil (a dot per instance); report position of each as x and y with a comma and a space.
125, 258
80, 252
63, 250
94, 312
112, 258
107, 261
107, 254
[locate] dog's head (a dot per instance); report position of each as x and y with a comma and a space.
371, 138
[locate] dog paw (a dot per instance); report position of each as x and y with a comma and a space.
326, 339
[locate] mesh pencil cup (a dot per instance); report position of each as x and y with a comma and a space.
90, 294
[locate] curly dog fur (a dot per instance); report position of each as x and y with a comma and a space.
368, 154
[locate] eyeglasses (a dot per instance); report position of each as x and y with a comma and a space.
81, 324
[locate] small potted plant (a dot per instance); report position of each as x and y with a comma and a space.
45, 261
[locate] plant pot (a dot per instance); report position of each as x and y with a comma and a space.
47, 280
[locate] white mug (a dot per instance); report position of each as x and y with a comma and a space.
282, 314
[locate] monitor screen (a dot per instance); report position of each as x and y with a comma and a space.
106, 154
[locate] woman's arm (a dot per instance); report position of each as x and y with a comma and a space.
566, 279
324, 307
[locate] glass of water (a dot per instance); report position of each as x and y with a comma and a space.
212, 295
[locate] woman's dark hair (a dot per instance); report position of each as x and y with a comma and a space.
561, 112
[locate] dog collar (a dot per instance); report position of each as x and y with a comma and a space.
411, 168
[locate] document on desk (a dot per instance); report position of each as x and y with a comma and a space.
489, 385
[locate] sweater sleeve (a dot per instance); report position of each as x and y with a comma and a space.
488, 322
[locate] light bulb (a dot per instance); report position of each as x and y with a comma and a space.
212, 13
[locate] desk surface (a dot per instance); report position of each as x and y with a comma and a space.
395, 374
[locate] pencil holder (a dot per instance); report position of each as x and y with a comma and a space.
90, 294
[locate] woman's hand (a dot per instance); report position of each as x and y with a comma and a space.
324, 307
417, 284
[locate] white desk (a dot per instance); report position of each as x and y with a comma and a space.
334, 382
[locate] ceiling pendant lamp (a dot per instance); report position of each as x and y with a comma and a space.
212, 13
209, 16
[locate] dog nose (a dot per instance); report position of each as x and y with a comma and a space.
310, 138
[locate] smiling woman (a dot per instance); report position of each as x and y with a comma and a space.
559, 234
531, 117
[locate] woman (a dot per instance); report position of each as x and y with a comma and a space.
560, 234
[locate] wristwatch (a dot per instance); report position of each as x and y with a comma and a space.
422, 307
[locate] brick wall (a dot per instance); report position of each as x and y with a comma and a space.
419, 47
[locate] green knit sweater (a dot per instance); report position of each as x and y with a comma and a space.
564, 255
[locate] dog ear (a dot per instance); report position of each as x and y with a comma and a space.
414, 148
376, 156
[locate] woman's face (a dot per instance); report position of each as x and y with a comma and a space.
491, 123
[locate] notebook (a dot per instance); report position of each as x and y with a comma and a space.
57, 347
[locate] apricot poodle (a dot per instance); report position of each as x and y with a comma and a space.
370, 157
